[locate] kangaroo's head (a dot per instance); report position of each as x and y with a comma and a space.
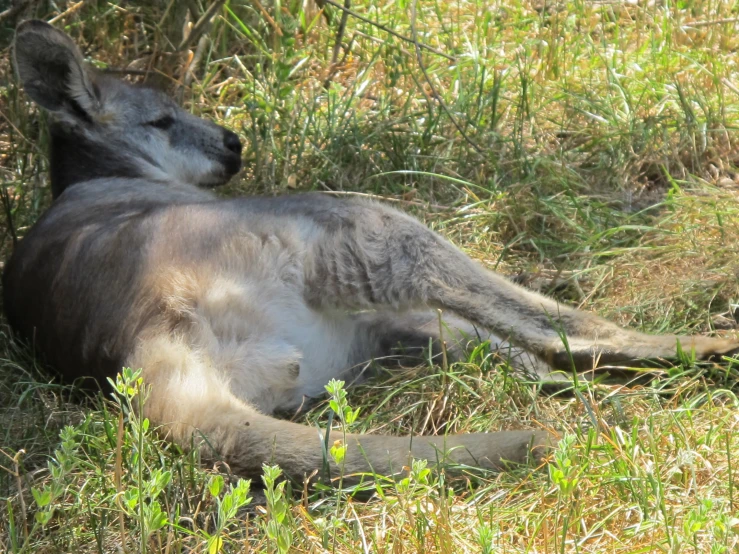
104, 127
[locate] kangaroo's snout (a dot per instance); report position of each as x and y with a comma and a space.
231, 142
233, 159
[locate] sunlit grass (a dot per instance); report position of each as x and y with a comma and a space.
599, 166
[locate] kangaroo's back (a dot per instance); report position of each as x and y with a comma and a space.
73, 284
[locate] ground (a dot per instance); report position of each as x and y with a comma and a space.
587, 149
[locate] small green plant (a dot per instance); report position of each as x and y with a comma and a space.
565, 471
65, 460
278, 526
227, 509
140, 501
485, 538
419, 475
346, 415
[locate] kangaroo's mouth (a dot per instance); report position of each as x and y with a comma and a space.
230, 166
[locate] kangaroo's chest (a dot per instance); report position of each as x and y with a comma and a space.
243, 307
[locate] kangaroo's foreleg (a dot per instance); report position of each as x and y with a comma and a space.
371, 256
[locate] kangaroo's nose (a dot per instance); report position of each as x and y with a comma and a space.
232, 142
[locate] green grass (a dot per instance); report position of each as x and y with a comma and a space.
599, 165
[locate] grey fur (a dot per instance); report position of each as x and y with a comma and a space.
235, 308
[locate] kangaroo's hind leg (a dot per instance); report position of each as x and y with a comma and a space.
370, 256
405, 339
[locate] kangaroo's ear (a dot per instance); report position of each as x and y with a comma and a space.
52, 70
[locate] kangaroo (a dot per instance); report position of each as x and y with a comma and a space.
235, 308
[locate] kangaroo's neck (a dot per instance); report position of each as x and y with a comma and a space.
75, 159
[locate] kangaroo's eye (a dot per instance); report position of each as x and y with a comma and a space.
163, 123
